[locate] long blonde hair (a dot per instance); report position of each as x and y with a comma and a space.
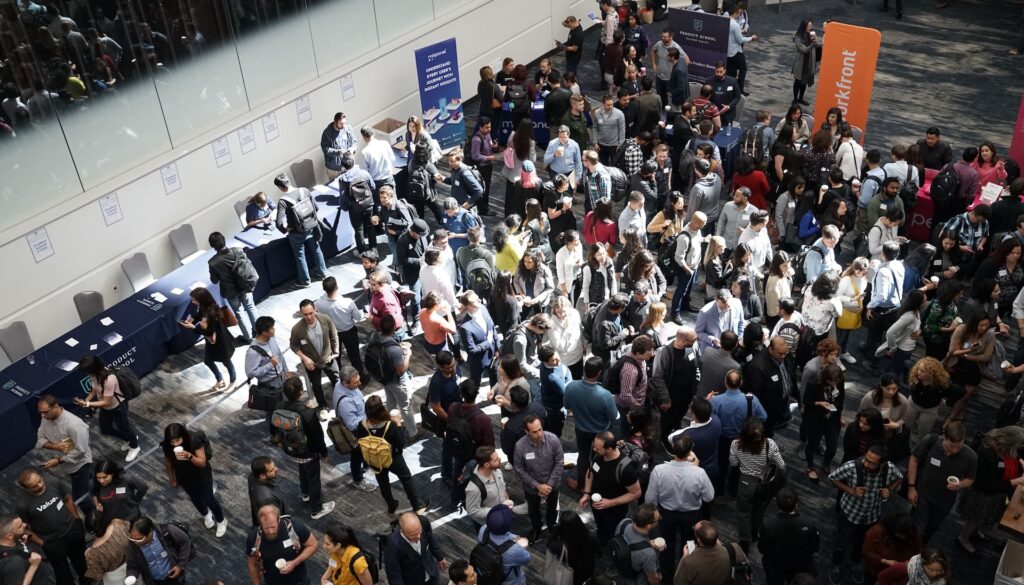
655, 316
716, 245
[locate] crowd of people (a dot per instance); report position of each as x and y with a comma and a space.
646, 324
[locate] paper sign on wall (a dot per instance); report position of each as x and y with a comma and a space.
111, 209
221, 151
270, 130
169, 174
247, 139
302, 109
39, 241
348, 87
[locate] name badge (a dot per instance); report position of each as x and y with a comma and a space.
936, 462
1002, 272
531, 456
750, 357
1000, 465
163, 554
690, 357
596, 467
456, 183
666, 170
332, 564
937, 263
286, 543
728, 88
883, 207
775, 378
60, 504
120, 491
303, 342
792, 205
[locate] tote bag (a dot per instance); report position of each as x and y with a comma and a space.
556, 571
850, 319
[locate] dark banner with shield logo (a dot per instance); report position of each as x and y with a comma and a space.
704, 37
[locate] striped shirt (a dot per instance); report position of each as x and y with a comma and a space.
754, 464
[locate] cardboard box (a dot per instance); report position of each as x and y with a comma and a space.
1011, 564
390, 130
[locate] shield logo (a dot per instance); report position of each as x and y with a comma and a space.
9, 385
698, 25
86, 384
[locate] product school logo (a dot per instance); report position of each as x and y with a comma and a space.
86, 384
16, 389
698, 25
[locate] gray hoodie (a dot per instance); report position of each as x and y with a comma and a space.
704, 197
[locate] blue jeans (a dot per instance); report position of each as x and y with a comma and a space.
244, 301
299, 243
211, 363
897, 364
115, 423
681, 298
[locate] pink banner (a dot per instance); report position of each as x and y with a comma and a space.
1017, 144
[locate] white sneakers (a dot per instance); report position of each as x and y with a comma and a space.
364, 486
222, 527
133, 452
326, 509
208, 520
846, 357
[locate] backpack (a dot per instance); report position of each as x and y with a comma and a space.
486, 559
753, 143
632, 455
289, 432
191, 541
292, 536
302, 213
342, 438
613, 375
508, 344
361, 194
908, 191
589, 320
518, 98
480, 277
667, 255
740, 573
375, 358
372, 565
701, 111
620, 183
420, 185
462, 482
799, 274
376, 450
945, 186
476, 175
458, 434
244, 272
128, 383
622, 552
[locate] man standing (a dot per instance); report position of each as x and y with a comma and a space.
633, 378
821, 257
648, 107
411, 554
51, 513
539, 462
314, 338
705, 429
157, 555
705, 194
725, 92
264, 359
397, 377
576, 122
755, 237
733, 408
633, 216
68, 436
687, 258
351, 410
597, 181
735, 59
360, 197
485, 486
461, 573
734, 218
563, 156
20, 561
412, 245
788, 542
609, 24
972, 232
679, 489
233, 271
609, 129
262, 487
710, 562
940, 467
379, 158
442, 392
593, 408
465, 188
678, 91
297, 217
613, 481
279, 539
935, 153
886, 199
662, 66
307, 449
637, 533
725, 313
345, 315
573, 45
609, 331
337, 140
886, 295
556, 103
481, 153
770, 379
396, 215
677, 370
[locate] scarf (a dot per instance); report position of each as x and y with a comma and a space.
917, 576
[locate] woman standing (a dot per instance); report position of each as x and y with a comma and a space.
822, 306
343, 566
569, 265
527, 186
714, 267
379, 424
817, 162
643, 268
999, 473
114, 495
867, 429
915, 275
491, 97
105, 557
188, 467
599, 282
106, 395
504, 305
533, 283
806, 61
566, 335
668, 222
655, 326
599, 226
901, 337
949, 257
631, 244
578, 543
823, 414
521, 149
752, 453
929, 387
1005, 268
436, 320
851, 296
747, 175
558, 202
418, 138
636, 37
510, 375
508, 248
970, 347
895, 409
479, 336
536, 222
786, 219
940, 319
779, 286
206, 320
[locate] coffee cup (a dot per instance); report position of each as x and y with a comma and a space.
595, 498
130, 580
1006, 364
508, 503
559, 151
951, 480
658, 543
280, 564
395, 413
523, 542
504, 421
179, 449
935, 279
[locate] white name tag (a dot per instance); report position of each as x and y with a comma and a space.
163, 554
1000, 465
775, 378
936, 462
286, 543
60, 504
937, 263
332, 564
666, 170
531, 456
728, 88
1002, 272
456, 183
690, 357
596, 467
883, 207
303, 342
120, 490
750, 357
792, 205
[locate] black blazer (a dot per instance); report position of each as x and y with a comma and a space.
405, 566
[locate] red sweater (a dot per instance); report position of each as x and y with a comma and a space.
758, 185
607, 233
878, 547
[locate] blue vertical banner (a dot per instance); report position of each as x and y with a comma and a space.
437, 67
704, 37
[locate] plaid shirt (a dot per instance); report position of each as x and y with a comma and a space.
970, 233
867, 509
634, 157
598, 184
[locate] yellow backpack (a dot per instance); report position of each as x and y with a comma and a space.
376, 450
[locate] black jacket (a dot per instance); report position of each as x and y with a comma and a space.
174, 540
405, 566
556, 104
788, 543
262, 493
725, 92
410, 256
765, 382
222, 272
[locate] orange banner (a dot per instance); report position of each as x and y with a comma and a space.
847, 74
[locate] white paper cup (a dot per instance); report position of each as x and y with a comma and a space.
952, 480
1006, 364
396, 413
504, 421
130, 580
280, 564
935, 279
659, 543
595, 498
179, 449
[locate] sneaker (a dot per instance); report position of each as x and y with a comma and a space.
422, 508
133, 452
305, 498
835, 575
846, 357
326, 509
222, 527
208, 520
364, 486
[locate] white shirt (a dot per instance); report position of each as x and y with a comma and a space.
760, 248
568, 264
849, 158
898, 169
379, 160
435, 278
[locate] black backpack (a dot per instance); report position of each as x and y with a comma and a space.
420, 185
508, 344
620, 183
480, 277
361, 194
458, 434
740, 572
632, 456
375, 358
589, 320
753, 143
191, 541
622, 552
127, 383
246, 277
799, 274
289, 432
486, 559
462, 482
945, 186
372, 565
518, 98
667, 255
908, 192
301, 213
613, 376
